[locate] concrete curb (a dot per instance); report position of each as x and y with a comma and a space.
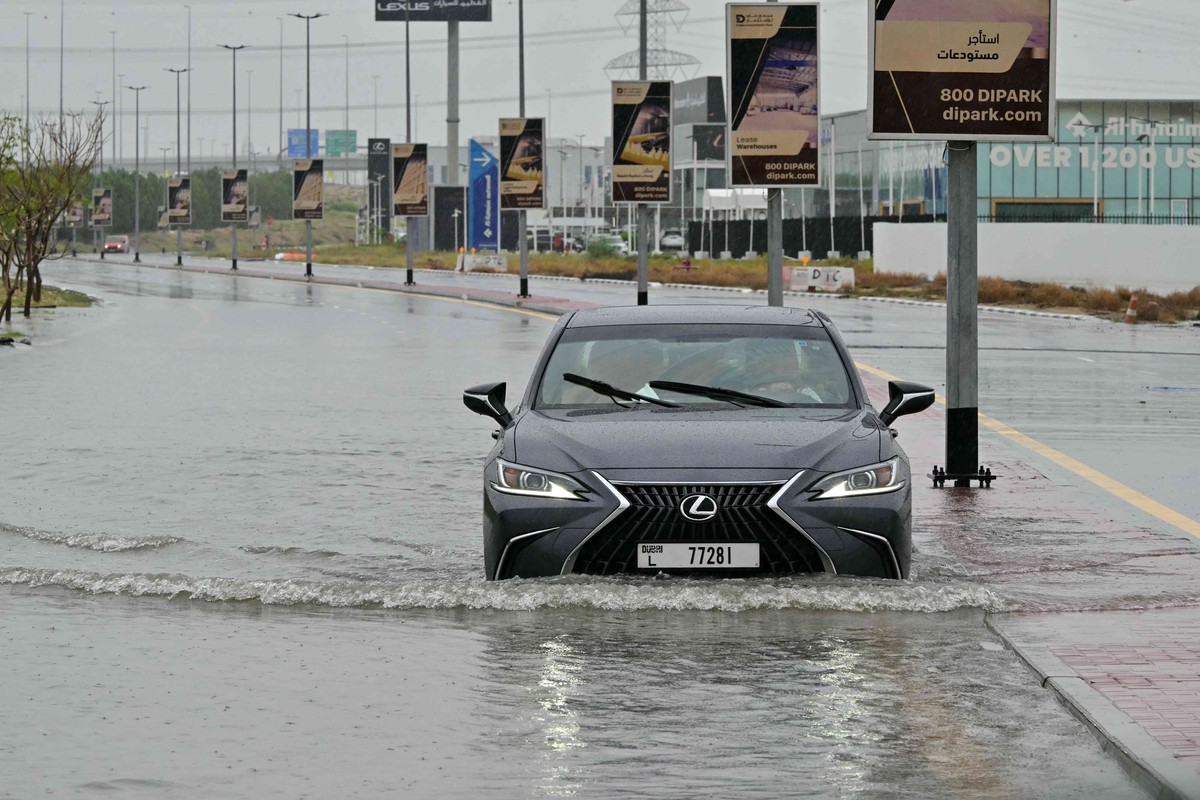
1146, 761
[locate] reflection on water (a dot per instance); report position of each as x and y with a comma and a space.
248, 541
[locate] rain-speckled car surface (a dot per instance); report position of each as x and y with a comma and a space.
705, 440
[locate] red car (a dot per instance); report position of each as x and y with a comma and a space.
117, 243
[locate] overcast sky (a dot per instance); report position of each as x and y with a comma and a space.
1107, 49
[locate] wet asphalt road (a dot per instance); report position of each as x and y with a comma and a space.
245, 558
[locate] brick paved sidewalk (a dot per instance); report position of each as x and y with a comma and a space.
1132, 676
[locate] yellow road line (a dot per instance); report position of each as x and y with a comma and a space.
1113, 487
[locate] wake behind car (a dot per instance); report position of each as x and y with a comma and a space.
706, 440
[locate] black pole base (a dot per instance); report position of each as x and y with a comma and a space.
962, 442
308, 270
643, 298
234, 267
524, 291
408, 278
137, 258
984, 476
101, 255
179, 261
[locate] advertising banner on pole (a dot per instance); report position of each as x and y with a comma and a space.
102, 208
522, 174
74, 215
235, 188
773, 110
641, 135
410, 180
433, 10
179, 201
484, 219
308, 189
339, 144
379, 172
962, 71
295, 143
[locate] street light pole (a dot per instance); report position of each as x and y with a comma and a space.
408, 136
100, 150
137, 174
27, 15
178, 163
523, 215
282, 135
189, 92
308, 18
233, 225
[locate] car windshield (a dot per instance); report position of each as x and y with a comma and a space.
782, 365
115, 239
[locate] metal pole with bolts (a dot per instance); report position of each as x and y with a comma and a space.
643, 211
308, 18
189, 92
178, 161
962, 322
774, 243
522, 215
233, 149
137, 174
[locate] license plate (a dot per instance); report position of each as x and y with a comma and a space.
681, 555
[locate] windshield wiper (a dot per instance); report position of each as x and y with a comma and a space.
608, 390
717, 393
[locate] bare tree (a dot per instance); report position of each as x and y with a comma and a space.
36, 191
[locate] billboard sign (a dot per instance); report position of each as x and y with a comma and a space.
773, 115
339, 144
709, 141
74, 215
102, 208
433, 10
963, 71
641, 117
379, 171
410, 180
308, 189
484, 219
179, 201
522, 171
295, 143
699, 100
235, 189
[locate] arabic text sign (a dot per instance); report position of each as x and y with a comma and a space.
773, 113
102, 208
433, 10
235, 189
339, 144
308, 189
296, 146
984, 72
641, 115
522, 170
483, 232
410, 180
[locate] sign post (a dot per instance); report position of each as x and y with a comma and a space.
984, 73
522, 178
484, 217
773, 112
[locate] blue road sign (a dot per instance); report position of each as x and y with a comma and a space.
484, 235
295, 141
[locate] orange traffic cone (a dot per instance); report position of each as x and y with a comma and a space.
1131, 312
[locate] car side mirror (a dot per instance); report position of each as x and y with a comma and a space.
905, 398
488, 399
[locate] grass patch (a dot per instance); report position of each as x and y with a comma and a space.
52, 297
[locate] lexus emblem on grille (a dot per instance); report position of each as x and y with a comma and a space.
698, 507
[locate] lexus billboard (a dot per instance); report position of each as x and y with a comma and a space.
433, 11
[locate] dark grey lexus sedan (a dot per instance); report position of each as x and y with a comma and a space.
696, 440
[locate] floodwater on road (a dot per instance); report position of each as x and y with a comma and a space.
241, 558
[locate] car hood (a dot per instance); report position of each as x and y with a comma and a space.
667, 439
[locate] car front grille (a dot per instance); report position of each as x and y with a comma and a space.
654, 515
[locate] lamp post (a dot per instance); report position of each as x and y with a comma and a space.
27, 15
308, 18
282, 133
522, 215
375, 127
137, 174
178, 162
233, 149
189, 93
408, 133
100, 150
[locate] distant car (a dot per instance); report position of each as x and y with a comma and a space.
116, 243
612, 240
697, 440
672, 240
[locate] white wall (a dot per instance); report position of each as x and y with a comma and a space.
1158, 258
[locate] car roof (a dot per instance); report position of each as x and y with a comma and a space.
695, 315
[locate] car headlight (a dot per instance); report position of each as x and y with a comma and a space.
877, 479
516, 479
